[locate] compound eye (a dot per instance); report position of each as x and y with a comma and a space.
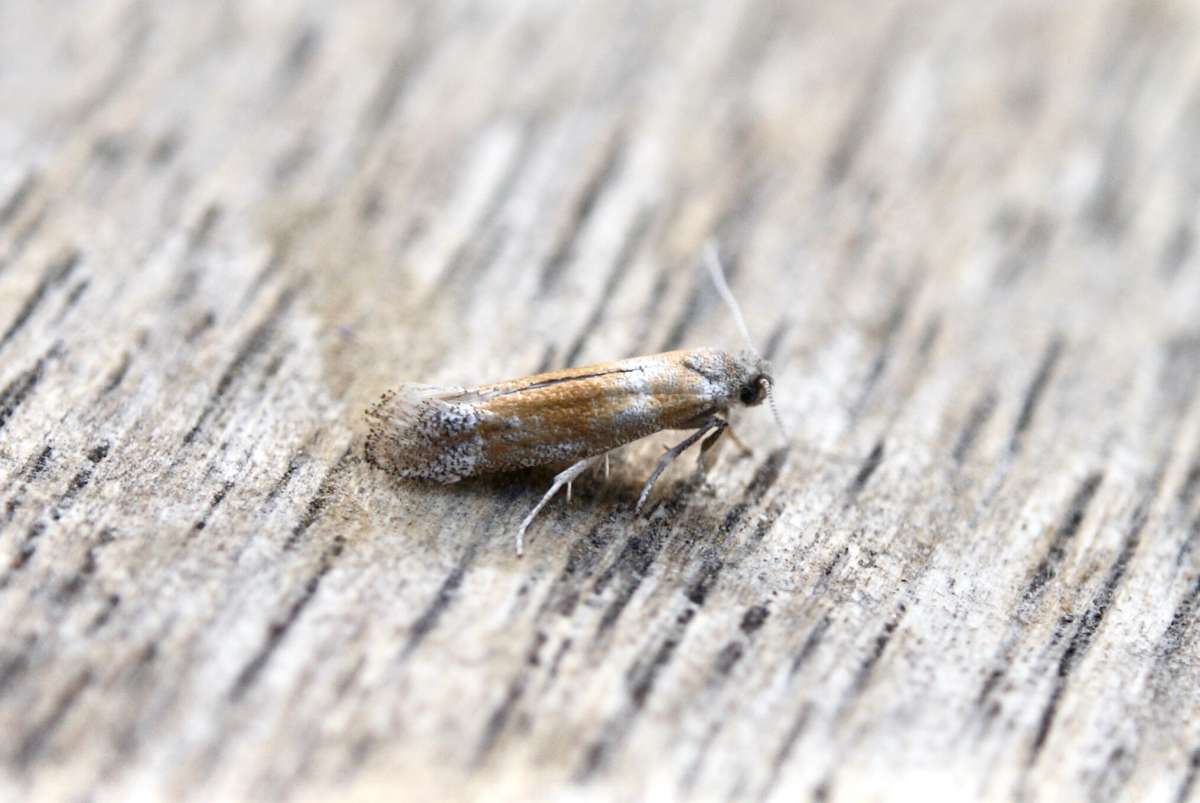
748, 394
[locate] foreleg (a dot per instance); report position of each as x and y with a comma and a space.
717, 424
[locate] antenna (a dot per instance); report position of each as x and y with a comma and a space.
713, 260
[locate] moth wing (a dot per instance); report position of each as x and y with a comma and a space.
424, 432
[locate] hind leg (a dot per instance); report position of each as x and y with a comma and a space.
562, 478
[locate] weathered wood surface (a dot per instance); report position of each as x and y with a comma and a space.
964, 235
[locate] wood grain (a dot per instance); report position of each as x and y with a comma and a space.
965, 236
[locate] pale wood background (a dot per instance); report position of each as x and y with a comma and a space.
966, 235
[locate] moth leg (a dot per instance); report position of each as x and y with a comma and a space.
717, 424
746, 450
705, 460
606, 470
562, 478
711, 440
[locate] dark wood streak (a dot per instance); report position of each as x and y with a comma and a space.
392, 86
17, 199
111, 150
255, 343
279, 628
723, 665
604, 177
1106, 212
73, 298
71, 587
201, 235
38, 466
135, 35
15, 662
696, 300
1046, 570
891, 330
35, 466
786, 746
1030, 247
164, 149
649, 312
294, 463
1113, 776
640, 680
811, 641
301, 54
1190, 485
1188, 547
849, 140
869, 467
867, 668
1067, 529
25, 234
1035, 391
17, 391
294, 158
512, 696
1089, 625
56, 274
476, 252
758, 30
428, 619
1180, 373
1177, 250
636, 559
621, 266
1189, 777
447, 592
583, 558
691, 308
775, 341
981, 413
1174, 638
38, 528
217, 498
34, 741
104, 615
135, 676
117, 376
78, 483
325, 490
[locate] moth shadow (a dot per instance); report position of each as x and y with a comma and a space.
529, 485
488, 509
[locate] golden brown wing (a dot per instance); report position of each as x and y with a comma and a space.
563, 416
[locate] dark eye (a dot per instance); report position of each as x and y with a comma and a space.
748, 394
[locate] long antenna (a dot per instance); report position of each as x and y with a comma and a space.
713, 260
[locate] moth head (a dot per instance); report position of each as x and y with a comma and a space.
754, 381
753, 373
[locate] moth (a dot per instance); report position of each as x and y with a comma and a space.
571, 417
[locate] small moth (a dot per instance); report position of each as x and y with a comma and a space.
574, 416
